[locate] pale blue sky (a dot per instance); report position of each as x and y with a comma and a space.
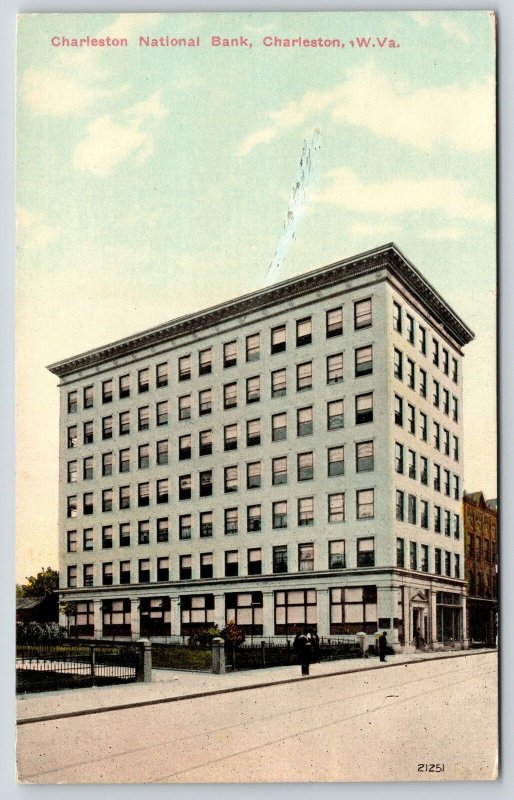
153, 182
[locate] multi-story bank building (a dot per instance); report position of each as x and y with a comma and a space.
290, 457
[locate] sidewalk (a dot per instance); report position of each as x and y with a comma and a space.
172, 686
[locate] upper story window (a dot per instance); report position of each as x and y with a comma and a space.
88, 432
161, 375
184, 368
279, 512
365, 503
107, 391
435, 355
89, 397
143, 380
253, 389
363, 361
278, 383
303, 331
422, 340
306, 557
366, 552
397, 317
335, 461
253, 347
411, 374
336, 554
230, 395
304, 376
107, 428
205, 361
334, 322
455, 370
411, 328
143, 418
205, 402
362, 314
364, 456
230, 437
335, 415
205, 443
72, 471
231, 479
305, 466
184, 407
398, 410
304, 421
124, 386
230, 354
161, 410
446, 361
279, 470
72, 402
335, 368
363, 408
279, 427
398, 364
253, 432
278, 339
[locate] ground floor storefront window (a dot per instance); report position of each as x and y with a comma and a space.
81, 619
295, 609
353, 610
196, 613
448, 617
155, 616
116, 618
245, 609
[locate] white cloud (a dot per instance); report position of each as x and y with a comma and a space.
384, 229
47, 91
446, 22
461, 117
399, 196
450, 232
34, 232
109, 141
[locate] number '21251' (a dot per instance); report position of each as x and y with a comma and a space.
430, 767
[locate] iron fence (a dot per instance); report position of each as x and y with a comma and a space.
279, 654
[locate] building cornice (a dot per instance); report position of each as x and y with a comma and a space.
388, 257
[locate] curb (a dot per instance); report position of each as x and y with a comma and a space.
230, 690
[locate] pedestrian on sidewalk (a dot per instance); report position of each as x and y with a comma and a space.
302, 646
382, 646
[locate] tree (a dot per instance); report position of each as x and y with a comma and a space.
46, 582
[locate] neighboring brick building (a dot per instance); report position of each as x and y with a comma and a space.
291, 456
481, 554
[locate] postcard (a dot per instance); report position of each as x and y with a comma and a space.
256, 397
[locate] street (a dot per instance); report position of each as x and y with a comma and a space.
361, 726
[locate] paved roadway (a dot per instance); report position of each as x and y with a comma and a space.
360, 726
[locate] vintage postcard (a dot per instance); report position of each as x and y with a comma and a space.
256, 397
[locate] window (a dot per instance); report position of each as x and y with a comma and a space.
335, 415
423, 427
364, 456
205, 524
303, 331
124, 463
437, 519
336, 507
124, 386
304, 376
107, 465
306, 557
143, 418
124, 531
205, 361
72, 471
230, 354
446, 402
362, 314
279, 427
422, 340
280, 514
143, 380
305, 466
304, 421
231, 479
435, 352
363, 408
124, 422
365, 503
107, 495
71, 541
335, 461
398, 364
446, 361
87, 539
253, 432
366, 552
107, 537
413, 555
456, 487
278, 339
400, 505
411, 418
447, 518
306, 511
143, 494
397, 317
184, 407
422, 382
72, 436
293, 610
455, 412
253, 347
278, 383
411, 374
457, 568
162, 452
334, 322
363, 361
205, 443
205, 402
437, 394
184, 487
230, 395
280, 559
411, 330
400, 553
163, 569
253, 475
72, 402
423, 470
184, 447
335, 368
72, 576
161, 375
398, 458
124, 572
143, 456
88, 574
87, 503
437, 561
231, 563
107, 391
253, 389
447, 563
456, 528
231, 521
88, 432
412, 464
455, 448
455, 370
88, 397
184, 368
71, 508
206, 483
398, 410
254, 555
143, 531
184, 526
412, 509
253, 519
336, 554
447, 483
161, 412
437, 436
144, 570
206, 565
279, 470
107, 428
162, 529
